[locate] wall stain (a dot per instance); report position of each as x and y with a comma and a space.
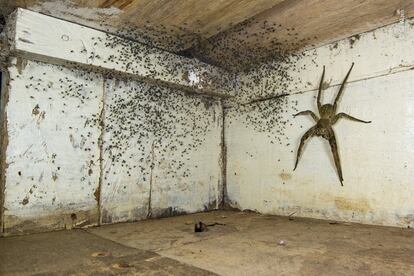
54, 176
212, 205
354, 39
346, 204
31, 189
21, 64
91, 164
40, 115
326, 84
97, 194
35, 110
41, 177
25, 200
15, 225
285, 176
72, 141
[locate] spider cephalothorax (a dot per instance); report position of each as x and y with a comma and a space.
323, 127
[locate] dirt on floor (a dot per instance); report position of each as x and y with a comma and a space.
235, 243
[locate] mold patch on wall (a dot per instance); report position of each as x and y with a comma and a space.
161, 150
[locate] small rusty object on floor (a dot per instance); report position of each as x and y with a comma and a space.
290, 215
201, 226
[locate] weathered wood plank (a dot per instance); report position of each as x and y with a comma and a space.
298, 25
45, 38
204, 18
170, 25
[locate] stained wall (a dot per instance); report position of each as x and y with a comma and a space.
51, 151
161, 152
82, 149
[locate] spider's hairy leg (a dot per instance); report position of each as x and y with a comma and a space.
341, 89
311, 132
320, 90
349, 117
308, 112
334, 148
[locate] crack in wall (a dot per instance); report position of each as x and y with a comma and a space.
223, 162
97, 193
4, 96
149, 214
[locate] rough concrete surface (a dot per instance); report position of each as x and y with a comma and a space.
240, 244
76, 252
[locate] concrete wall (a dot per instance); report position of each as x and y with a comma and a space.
377, 159
162, 152
99, 129
160, 149
52, 154
82, 149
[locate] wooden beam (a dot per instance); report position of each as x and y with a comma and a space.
170, 25
205, 18
297, 25
48, 39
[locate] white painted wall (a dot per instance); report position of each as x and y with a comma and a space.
376, 53
161, 151
52, 154
377, 159
170, 141
86, 148
40, 37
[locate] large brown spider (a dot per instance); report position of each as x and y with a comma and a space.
324, 125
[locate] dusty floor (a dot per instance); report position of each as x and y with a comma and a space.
246, 244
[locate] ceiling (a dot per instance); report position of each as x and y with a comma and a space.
233, 34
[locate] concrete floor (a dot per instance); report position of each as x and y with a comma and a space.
247, 244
